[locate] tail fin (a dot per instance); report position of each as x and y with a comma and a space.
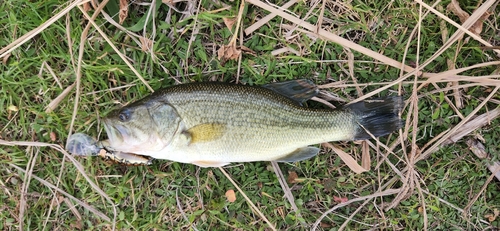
377, 116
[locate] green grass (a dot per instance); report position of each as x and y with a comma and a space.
156, 197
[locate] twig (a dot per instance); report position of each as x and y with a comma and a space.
238, 22
51, 72
342, 227
459, 33
467, 24
471, 202
450, 204
78, 166
195, 31
240, 57
83, 204
457, 127
26, 37
472, 125
26, 182
287, 191
446, 74
331, 37
55, 102
122, 56
266, 19
182, 211
83, 37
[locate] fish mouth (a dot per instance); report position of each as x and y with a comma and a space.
116, 133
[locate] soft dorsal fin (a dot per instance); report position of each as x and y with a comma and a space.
299, 154
299, 90
206, 132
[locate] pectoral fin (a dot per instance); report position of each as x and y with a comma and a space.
299, 154
206, 132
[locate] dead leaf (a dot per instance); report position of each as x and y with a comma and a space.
281, 212
229, 22
6, 58
260, 185
348, 160
340, 199
477, 27
146, 44
228, 52
168, 2
12, 108
77, 225
87, 7
53, 136
123, 11
455, 8
231, 196
247, 50
492, 217
325, 225
292, 177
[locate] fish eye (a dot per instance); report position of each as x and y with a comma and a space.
124, 116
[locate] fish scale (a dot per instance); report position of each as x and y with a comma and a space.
274, 117
269, 110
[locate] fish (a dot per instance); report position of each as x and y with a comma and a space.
212, 124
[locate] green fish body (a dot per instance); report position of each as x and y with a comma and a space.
213, 124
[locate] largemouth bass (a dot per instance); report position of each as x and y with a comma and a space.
213, 124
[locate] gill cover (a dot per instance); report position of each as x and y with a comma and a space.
142, 126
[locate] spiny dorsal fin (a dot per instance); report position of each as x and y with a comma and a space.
299, 154
206, 132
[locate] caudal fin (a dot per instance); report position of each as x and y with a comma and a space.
377, 116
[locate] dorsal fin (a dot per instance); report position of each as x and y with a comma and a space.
299, 90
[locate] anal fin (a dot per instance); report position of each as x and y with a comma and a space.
299, 154
206, 164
